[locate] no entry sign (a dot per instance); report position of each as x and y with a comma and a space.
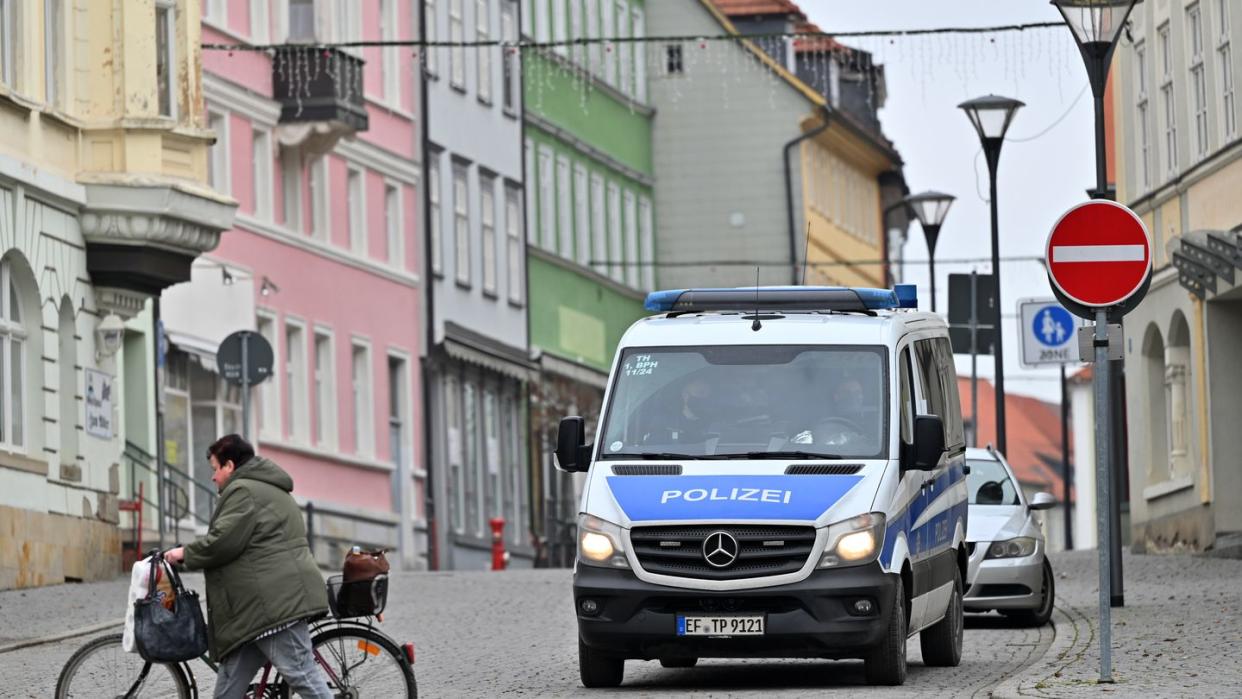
1099, 254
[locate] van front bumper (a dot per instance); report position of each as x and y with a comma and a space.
808, 619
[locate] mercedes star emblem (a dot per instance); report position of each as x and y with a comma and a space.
720, 549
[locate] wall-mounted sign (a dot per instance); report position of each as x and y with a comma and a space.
98, 404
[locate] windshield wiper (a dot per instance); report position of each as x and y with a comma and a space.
655, 456
780, 455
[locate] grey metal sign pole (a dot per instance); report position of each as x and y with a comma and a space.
974, 355
245, 385
1103, 455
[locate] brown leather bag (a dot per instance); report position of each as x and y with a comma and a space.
364, 565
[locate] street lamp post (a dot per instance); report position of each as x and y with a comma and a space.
991, 117
1097, 25
930, 208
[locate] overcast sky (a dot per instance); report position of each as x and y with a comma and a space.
1039, 178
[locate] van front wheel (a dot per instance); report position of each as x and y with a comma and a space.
597, 670
886, 663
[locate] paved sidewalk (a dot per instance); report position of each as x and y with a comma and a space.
1179, 635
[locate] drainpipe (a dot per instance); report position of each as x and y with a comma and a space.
429, 498
789, 202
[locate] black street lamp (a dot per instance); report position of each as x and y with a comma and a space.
1097, 25
991, 117
930, 208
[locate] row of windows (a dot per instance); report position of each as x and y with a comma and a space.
498, 217
842, 193
622, 65
490, 20
484, 451
582, 215
305, 397
306, 191
1208, 51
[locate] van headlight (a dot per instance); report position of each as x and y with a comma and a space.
854, 541
600, 543
1011, 548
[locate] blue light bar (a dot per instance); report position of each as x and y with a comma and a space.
774, 298
907, 295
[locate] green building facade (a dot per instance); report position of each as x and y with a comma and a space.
590, 223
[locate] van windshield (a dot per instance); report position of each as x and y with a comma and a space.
748, 401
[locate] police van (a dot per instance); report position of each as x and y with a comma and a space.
777, 472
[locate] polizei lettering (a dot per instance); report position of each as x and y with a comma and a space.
727, 494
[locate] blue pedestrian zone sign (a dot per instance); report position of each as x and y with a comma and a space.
1048, 333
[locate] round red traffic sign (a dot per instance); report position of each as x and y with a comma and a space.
1099, 253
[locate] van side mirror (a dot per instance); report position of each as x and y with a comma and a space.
572, 452
928, 442
1042, 501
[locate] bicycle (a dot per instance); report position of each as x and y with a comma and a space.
353, 655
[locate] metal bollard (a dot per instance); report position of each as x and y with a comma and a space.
500, 557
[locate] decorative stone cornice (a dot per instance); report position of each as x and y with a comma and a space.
158, 215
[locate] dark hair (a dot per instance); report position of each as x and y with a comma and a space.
231, 447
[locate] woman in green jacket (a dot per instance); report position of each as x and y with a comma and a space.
262, 581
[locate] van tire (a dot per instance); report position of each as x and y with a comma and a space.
598, 670
679, 662
885, 664
942, 642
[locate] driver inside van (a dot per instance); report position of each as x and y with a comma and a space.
697, 412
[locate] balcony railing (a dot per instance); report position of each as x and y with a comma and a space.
319, 84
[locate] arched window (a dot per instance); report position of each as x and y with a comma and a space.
13, 357
68, 391
1154, 388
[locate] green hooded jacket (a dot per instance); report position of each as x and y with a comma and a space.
258, 567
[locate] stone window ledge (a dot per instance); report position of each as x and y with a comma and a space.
1173, 485
21, 462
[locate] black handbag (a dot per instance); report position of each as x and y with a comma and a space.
165, 635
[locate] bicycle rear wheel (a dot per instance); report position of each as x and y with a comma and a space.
362, 662
102, 668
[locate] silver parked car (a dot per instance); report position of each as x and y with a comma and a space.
1007, 570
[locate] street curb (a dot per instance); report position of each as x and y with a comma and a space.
1068, 645
83, 631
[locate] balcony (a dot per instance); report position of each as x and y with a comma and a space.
320, 94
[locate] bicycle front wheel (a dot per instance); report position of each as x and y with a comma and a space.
102, 668
361, 662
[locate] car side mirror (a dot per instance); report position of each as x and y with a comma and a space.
1042, 501
572, 452
928, 442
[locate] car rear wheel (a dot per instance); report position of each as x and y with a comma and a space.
598, 670
942, 642
1047, 599
886, 663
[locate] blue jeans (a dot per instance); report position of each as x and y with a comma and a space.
289, 652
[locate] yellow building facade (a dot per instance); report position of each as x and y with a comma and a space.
103, 203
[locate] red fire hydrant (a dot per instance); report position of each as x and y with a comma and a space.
500, 557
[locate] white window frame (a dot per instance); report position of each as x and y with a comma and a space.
390, 58
169, 10
348, 26
363, 397
594, 65
1143, 113
473, 466
564, 208
609, 32
483, 54
10, 39
639, 31
1198, 77
632, 269
13, 332
487, 226
260, 21
543, 21
436, 213
599, 227
582, 215
625, 50
296, 376
615, 269
217, 12
560, 27
394, 223
515, 248
576, 30
511, 73
1168, 100
547, 203
461, 223
1224, 54
399, 396
325, 390
270, 417
261, 165
530, 191
356, 200
455, 451
320, 194
646, 243
220, 176
527, 17
431, 33
457, 54
492, 494
291, 188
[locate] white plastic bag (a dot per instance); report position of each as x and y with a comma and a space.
138, 576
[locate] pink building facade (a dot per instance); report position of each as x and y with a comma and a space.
321, 151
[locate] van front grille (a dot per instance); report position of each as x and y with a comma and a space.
762, 550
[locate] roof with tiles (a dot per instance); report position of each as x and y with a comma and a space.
738, 8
